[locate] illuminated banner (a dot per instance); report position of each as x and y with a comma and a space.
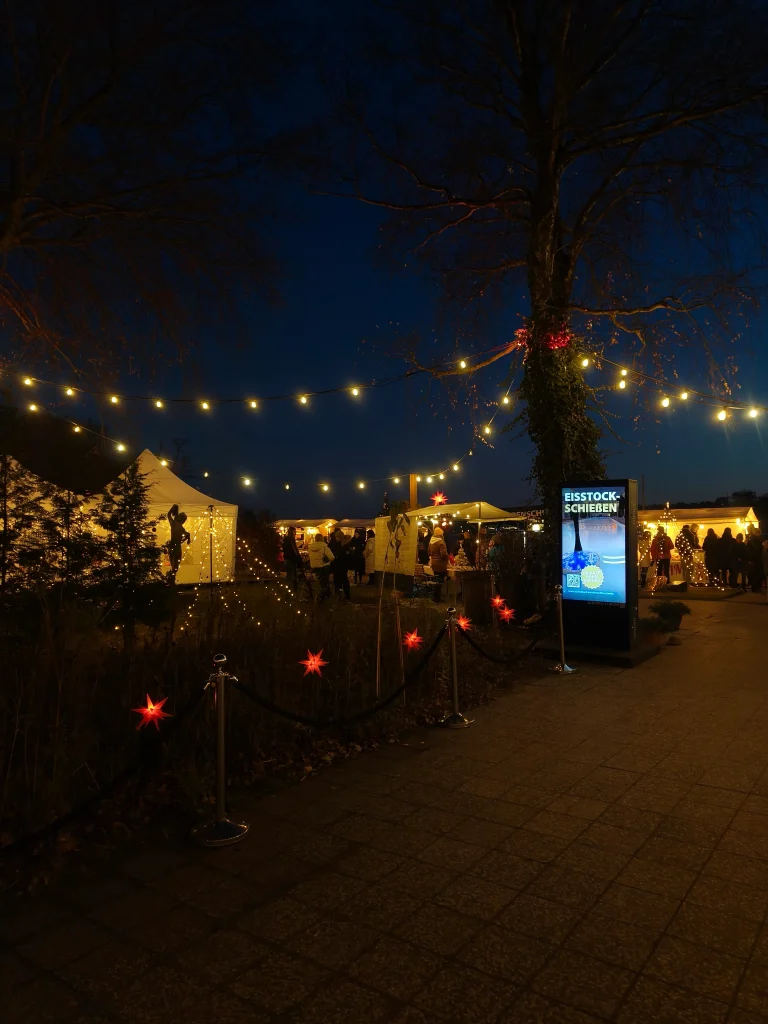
594, 544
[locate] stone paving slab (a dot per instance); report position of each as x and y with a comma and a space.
594, 848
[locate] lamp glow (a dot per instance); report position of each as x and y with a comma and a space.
287, 487
505, 400
418, 479
205, 405
455, 467
77, 430
158, 404
28, 381
69, 392
585, 362
355, 392
121, 447
624, 373
253, 405
429, 479
684, 395
486, 430
753, 413
441, 476
722, 415
163, 462
463, 364
536, 527
361, 485
205, 473
33, 407
325, 487
247, 481
114, 399
665, 402
396, 480
622, 384
303, 399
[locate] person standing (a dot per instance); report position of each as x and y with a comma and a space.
470, 547
179, 534
369, 555
340, 566
644, 557
438, 560
724, 548
737, 575
661, 549
291, 557
711, 549
320, 560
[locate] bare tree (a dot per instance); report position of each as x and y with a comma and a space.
129, 153
603, 158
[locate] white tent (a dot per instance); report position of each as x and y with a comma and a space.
212, 524
474, 511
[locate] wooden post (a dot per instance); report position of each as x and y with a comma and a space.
413, 492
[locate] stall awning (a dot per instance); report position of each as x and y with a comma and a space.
474, 511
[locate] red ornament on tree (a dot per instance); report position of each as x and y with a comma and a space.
412, 640
314, 663
152, 713
507, 614
464, 623
438, 498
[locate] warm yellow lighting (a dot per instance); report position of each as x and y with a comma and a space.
397, 480
701, 526
355, 392
33, 408
622, 384
114, 399
287, 487
463, 364
505, 400
205, 473
753, 413
163, 462
303, 399
665, 402
441, 476
158, 404
684, 395
418, 479
722, 415
429, 479
69, 392
624, 373
253, 405
325, 487
536, 527
455, 467
205, 405
77, 430
486, 430
247, 481
121, 447
361, 485
585, 362
28, 381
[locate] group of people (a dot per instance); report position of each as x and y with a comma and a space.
332, 560
729, 561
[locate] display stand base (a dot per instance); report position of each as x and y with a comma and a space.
604, 655
456, 721
563, 670
220, 833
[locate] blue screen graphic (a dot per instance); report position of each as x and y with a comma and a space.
594, 520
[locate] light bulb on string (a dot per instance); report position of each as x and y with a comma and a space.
76, 429
158, 404
325, 487
753, 413
205, 473
462, 364
28, 381
665, 402
455, 467
114, 399
33, 407
505, 400
486, 430
418, 479
354, 391
441, 476
120, 447
396, 480
287, 487
429, 479
303, 399
253, 405
684, 396
361, 485
69, 392
722, 415
585, 362
163, 462
624, 373
622, 384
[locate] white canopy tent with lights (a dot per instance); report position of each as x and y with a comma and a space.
468, 511
717, 519
212, 524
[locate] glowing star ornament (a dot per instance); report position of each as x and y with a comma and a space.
413, 641
463, 623
438, 498
152, 713
498, 601
507, 614
314, 663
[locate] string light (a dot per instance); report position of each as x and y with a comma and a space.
205, 405
722, 414
665, 402
287, 487
361, 485
622, 384
28, 381
121, 447
624, 373
753, 413
486, 429
253, 405
505, 400
247, 481
684, 396
429, 479
76, 429
205, 473
455, 467
33, 407
355, 392
69, 392
158, 404
418, 479
585, 362
303, 399
325, 487
114, 399
163, 462
396, 480
462, 364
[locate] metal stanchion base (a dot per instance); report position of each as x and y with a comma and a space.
220, 833
456, 721
566, 670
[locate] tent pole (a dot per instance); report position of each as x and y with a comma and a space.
210, 549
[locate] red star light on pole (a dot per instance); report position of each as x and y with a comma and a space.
438, 498
498, 601
314, 663
464, 623
412, 640
152, 713
507, 614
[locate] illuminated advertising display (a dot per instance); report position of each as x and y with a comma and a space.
594, 544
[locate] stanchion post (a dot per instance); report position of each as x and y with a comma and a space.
562, 667
222, 831
455, 720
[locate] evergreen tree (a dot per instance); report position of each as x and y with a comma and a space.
130, 557
23, 516
75, 549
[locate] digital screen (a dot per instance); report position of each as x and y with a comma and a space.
594, 522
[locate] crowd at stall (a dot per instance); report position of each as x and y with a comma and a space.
728, 561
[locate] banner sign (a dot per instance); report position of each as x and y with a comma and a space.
594, 544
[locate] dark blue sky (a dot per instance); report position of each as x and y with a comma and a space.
334, 326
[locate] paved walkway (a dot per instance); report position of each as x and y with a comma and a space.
593, 848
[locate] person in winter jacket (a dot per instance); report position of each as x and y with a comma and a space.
291, 557
320, 559
737, 570
179, 534
711, 549
369, 553
340, 568
661, 549
644, 556
438, 560
724, 550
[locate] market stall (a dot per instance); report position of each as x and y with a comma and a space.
740, 519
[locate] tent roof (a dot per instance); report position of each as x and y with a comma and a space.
474, 511
303, 524
167, 489
702, 515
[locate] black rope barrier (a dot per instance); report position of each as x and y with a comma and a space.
491, 657
326, 723
136, 767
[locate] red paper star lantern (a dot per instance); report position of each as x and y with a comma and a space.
507, 614
498, 601
464, 623
438, 498
412, 640
314, 663
152, 713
